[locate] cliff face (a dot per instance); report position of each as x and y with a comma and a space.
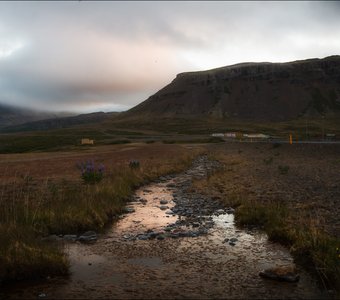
257, 91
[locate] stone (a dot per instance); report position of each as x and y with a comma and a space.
161, 237
287, 274
88, 236
70, 237
42, 295
152, 235
173, 235
203, 231
230, 210
163, 207
233, 240
163, 201
143, 237
129, 210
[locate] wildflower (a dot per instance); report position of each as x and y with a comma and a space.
90, 173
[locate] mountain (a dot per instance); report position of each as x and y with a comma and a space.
250, 91
61, 122
10, 115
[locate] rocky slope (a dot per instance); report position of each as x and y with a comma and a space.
256, 91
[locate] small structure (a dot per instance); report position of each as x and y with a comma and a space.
87, 141
256, 136
330, 136
218, 134
230, 135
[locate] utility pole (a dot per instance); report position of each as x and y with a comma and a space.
323, 128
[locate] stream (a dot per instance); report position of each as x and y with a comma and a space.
173, 243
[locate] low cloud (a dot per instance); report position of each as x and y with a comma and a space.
88, 56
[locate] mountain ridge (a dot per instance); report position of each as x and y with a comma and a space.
251, 91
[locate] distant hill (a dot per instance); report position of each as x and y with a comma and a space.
60, 122
10, 115
249, 91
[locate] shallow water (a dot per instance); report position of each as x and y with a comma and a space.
119, 265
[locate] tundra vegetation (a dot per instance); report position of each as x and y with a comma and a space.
290, 191
298, 208
86, 198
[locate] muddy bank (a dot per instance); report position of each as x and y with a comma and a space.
173, 243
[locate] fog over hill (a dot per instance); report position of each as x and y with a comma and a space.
11, 115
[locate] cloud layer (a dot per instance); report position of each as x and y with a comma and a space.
88, 56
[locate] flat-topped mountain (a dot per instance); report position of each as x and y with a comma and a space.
255, 91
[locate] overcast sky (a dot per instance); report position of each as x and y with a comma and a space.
108, 56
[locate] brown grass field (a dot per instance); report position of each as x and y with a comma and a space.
43, 193
62, 165
290, 191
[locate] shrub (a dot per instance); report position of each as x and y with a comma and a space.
134, 164
90, 173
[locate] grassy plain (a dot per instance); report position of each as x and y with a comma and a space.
290, 191
42, 193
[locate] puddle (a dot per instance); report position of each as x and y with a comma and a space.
131, 261
150, 262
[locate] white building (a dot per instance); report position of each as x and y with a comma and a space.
87, 142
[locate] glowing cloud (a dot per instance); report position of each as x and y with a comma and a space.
8, 48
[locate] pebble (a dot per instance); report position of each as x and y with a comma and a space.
287, 274
42, 295
88, 236
70, 237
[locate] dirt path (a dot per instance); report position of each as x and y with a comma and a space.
173, 243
